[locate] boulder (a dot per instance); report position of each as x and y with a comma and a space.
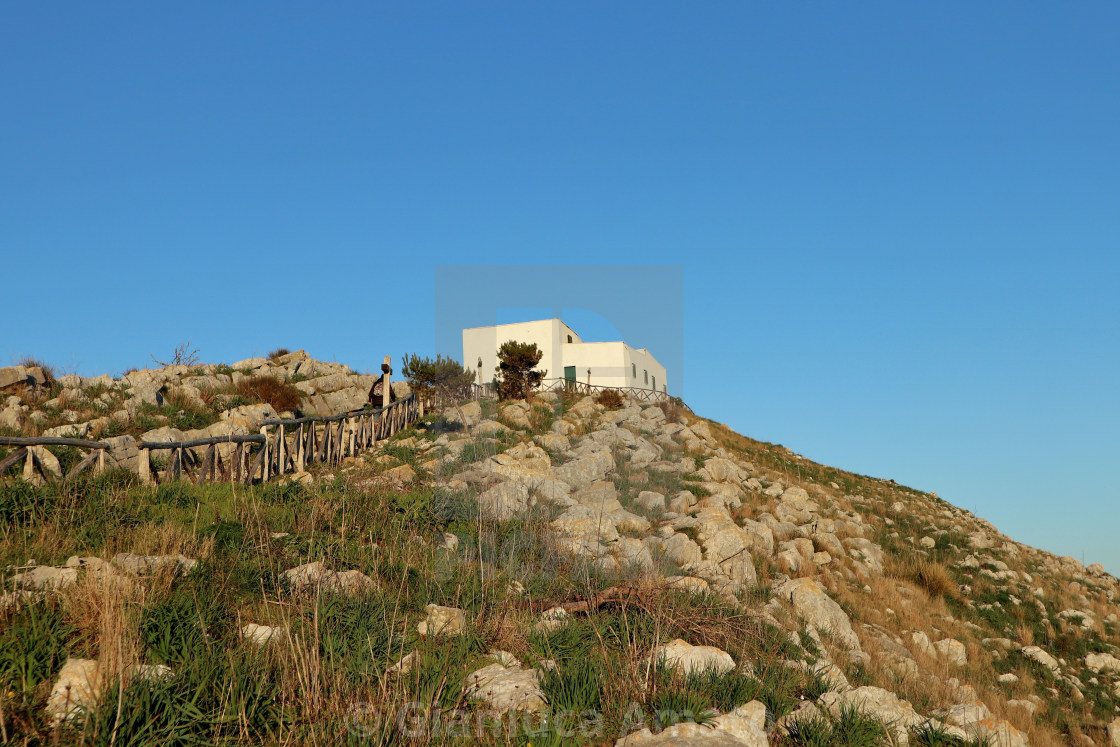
1102, 663
259, 634
683, 657
517, 415
585, 470
743, 727
45, 578
1034, 653
472, 411
896, 714
650, 500
442, 621
810, 603
316, 576
506, 688
952, 651
123, 452
504, 500
77, 690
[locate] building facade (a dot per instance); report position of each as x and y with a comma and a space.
565, 356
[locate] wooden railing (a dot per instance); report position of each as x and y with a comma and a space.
96, 455
285, 446
582, 387
282, 447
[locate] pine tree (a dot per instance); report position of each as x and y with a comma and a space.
516, 376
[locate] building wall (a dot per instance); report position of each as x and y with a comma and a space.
607, 361
611, 363
639, 361
483, 342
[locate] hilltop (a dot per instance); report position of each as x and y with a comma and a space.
574, 570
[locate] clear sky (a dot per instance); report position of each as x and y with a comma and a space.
897, 223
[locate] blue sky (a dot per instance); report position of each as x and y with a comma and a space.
897, 224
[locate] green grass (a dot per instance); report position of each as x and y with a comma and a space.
850, 728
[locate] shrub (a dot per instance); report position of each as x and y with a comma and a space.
610, 399
265, 388
277, 353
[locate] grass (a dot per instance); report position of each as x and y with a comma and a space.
335, 649
849, 728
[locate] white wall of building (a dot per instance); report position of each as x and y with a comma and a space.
611, 363
548, 334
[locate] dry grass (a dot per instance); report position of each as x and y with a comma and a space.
280, 394
610, 399
278, 353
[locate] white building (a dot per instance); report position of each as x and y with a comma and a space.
566, 356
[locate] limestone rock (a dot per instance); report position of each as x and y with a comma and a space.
45, 577
472, 411
952, 651
76, 690
811, 603
1102, 663
504, 501
650, 500
506, 688
1114, 732
683, 657
1035, 653
316, 576
442, 621
743, 727
259, 634
898, 715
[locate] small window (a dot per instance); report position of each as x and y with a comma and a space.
634, 366
569, 338
654, 383
645, 373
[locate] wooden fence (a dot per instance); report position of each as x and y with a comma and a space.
281, 447
582, 387
31, 460
285, 446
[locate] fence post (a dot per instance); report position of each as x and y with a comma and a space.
101, 461
29, 465
144, 466
264, 461
281, 448
299, 448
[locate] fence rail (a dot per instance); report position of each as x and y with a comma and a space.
582, 387
32, 462
281, 447
286, 446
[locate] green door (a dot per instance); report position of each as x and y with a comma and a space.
569, 377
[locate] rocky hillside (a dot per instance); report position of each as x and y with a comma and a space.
176, 402
562, 573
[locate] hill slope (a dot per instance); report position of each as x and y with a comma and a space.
611, 571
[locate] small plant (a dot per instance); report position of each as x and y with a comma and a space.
182, 356
278, 353
610, 399
574, 685
936, 735
851, 727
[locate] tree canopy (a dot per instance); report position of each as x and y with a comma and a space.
516, 376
